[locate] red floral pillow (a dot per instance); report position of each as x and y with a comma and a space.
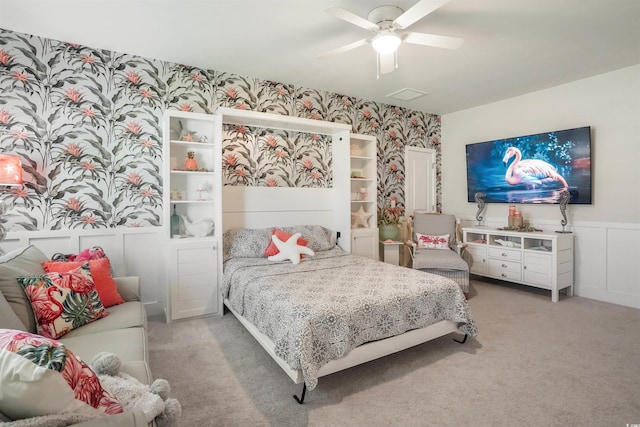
40, 376
427, 241
100, 272
62, 302
272, 249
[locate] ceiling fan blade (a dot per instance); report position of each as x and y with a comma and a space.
352, 18
434, 40
416, 12
387, 62
342, 49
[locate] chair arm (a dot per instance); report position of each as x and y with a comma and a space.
412, 246
128, 287
459, 248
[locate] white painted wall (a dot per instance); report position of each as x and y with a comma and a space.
607, 233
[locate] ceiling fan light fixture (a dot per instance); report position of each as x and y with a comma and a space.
386, 42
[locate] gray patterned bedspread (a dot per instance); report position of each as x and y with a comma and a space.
322, 308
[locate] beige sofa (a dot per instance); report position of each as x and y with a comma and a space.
122, 332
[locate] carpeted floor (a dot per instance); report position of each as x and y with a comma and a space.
534, 363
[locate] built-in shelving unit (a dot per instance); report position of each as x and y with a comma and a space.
363, 195
542, 260
192, 214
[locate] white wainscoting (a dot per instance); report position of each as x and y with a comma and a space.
606, 258
131, 251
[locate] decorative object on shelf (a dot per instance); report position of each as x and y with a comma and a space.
564, 199
362, 194
203, 188
360, 218
508, 243
522, 229
176, 194
355, 150
199, 228
175, 223
190, 136
481, 206
174, 134
190, 163
515, 219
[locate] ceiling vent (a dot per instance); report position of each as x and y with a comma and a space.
406, 94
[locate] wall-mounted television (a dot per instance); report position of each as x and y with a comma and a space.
532, 168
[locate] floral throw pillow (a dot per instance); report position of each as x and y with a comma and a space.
62, 302
40, 376
428, 241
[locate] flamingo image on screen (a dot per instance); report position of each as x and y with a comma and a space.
532, 168
531, 172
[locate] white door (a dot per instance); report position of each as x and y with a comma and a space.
420, 180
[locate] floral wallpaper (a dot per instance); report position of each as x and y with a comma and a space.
87, 124
275, 158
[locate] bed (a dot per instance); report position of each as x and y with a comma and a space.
333, 310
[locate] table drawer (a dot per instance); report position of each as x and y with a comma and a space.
507, 270
508, 254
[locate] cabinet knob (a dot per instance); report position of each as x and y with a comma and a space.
503, 275
503, 254
504, 265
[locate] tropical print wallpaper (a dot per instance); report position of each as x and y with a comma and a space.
87, 124
262, 157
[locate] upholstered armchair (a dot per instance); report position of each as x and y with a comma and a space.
434, 248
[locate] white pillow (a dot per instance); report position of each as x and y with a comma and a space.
429, 241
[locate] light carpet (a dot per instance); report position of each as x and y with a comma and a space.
534, 363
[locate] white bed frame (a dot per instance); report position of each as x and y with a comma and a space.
260, 207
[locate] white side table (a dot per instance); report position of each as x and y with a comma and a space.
390, 252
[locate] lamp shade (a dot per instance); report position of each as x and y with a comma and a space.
10, 170
386, 42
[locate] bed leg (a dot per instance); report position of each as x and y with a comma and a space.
300, 399
463, 340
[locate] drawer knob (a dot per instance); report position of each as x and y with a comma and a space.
503, 275
503, 254
504, 265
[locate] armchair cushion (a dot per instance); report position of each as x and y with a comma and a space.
439, 259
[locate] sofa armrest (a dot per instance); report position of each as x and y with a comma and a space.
128, 287
130, 418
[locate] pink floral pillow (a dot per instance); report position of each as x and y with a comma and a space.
40, 376
427, 241
62, 302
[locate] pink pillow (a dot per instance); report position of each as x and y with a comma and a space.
62, 302
428, 241
272, 249
101, 273
40, 376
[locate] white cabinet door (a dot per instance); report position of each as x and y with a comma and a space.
193, 272
364, 242
477, 257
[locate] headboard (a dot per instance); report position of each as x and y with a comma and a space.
261, 207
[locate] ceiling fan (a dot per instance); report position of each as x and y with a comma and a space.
385, 21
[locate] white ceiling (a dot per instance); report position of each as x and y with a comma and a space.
511, 47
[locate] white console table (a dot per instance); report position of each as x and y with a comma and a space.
542, 260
